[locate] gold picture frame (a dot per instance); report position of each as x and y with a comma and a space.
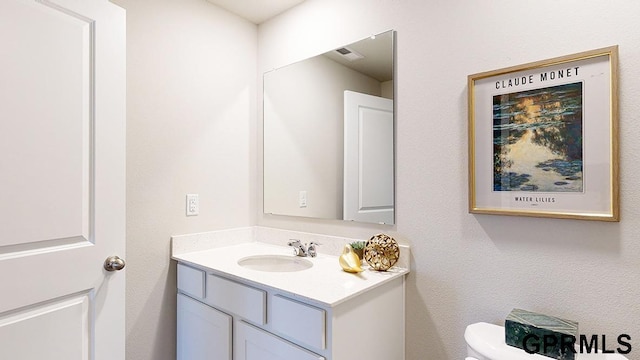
543, 138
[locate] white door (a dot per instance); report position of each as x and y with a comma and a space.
62, 179
368, 158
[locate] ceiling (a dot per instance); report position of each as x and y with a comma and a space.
256, 11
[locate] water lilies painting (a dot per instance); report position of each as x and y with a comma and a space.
537, 140
543, 138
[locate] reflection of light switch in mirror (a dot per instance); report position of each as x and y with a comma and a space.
302, 199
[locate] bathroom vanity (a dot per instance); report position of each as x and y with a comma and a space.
245, 312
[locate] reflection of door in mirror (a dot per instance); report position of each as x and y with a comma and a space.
368, 158
304, 126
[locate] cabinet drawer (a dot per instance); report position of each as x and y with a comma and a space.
191, 281
304, 323
244, 301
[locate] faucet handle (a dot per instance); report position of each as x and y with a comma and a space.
294, 242
298, 248
311, 250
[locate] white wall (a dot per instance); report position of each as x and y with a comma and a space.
191, 85
304, 152
471, 268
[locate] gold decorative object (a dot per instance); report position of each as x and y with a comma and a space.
349, 261
381, 252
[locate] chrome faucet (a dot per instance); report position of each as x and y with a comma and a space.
302, 250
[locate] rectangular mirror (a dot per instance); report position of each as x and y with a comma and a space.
329, 134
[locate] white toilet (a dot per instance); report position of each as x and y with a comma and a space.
486, 342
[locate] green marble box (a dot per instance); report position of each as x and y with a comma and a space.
541, 334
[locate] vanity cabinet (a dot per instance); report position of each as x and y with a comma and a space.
222, 317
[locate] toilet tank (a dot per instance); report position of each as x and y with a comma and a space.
486, 342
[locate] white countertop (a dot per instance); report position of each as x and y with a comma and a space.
324, 283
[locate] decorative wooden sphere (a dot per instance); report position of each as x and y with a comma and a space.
381, 252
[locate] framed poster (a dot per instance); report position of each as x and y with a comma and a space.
543, 138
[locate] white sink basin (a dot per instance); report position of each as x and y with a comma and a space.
275, 263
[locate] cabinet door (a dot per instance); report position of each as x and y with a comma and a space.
204, 333
252, 343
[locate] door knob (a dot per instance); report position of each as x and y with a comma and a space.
114, 263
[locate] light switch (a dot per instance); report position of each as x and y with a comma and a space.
193, 205
302, 199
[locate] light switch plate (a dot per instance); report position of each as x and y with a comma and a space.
302, 199
193, 205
